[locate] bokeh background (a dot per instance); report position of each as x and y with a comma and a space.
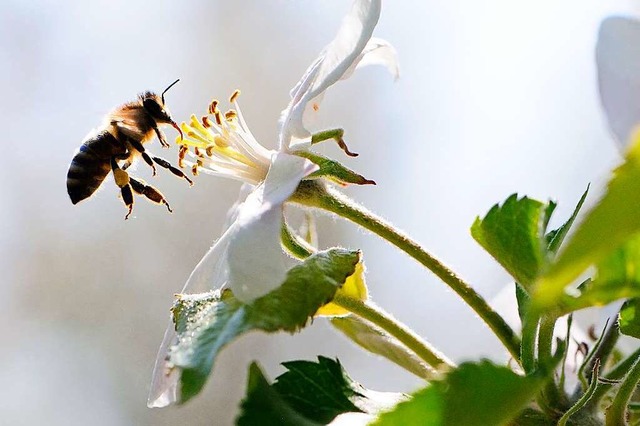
495, 97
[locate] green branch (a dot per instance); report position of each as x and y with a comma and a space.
315, 194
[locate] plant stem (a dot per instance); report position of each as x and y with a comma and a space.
370, 312
315, 194
385, 321
617, 411
616, 373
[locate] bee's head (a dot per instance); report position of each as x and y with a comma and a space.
155, 107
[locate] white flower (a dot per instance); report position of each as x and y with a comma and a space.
248, 258
618, 61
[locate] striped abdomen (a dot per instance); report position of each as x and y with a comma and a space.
91, 164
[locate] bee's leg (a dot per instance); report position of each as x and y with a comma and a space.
122, 180
161, 138
164, 163
149, 191
137, 145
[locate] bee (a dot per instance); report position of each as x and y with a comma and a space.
115, 145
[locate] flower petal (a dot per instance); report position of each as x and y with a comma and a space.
256, 261
210, 273
334, 61
618, 60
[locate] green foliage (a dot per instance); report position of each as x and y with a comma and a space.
606, 227
630, 318
513, 233
378, 341
474, 394
207, 322
333, 170
308, 392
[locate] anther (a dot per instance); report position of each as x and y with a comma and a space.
210, 149
230, 115
181, 154
197, 152
213, 106
218, 117
234, 96
206, 122
194, 169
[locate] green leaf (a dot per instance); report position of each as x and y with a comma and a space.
513, 234
474, 394
630, 318
556, 237
606, 227
617, 277
263, 405
312, 392
377, 341
333, 170
207, 322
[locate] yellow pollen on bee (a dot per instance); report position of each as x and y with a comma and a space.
234, 96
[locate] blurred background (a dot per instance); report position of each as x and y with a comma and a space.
495, 97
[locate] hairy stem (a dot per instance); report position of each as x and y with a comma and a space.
617, 411
315, 194
404, 334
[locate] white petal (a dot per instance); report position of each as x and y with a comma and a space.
377, 52
330, 66
257, 264
210, 273
618, 59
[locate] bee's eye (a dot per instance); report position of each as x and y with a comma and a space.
155, 110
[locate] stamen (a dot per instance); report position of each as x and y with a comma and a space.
213, 106
230, 115
218, 117
234, 96
194, 170
206, 122
197, 151
181, 154
210, 149
220, 141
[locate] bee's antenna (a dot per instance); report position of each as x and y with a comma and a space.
165, 90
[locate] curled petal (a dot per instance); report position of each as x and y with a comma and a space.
334, 61
256, 261
210, 273
618, 60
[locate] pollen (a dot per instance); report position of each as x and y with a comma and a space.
230, 115
194, 170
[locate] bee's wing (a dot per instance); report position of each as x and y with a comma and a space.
618, 61
131, 122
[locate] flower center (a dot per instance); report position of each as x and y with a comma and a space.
223, 145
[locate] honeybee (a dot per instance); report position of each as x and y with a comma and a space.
115, 145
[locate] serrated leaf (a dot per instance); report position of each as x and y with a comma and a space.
316, 392
513, 234
630, 318
556, 237
333, 170
474, 394
354, 287
207, 322
377, 341
605, 228
263, 406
